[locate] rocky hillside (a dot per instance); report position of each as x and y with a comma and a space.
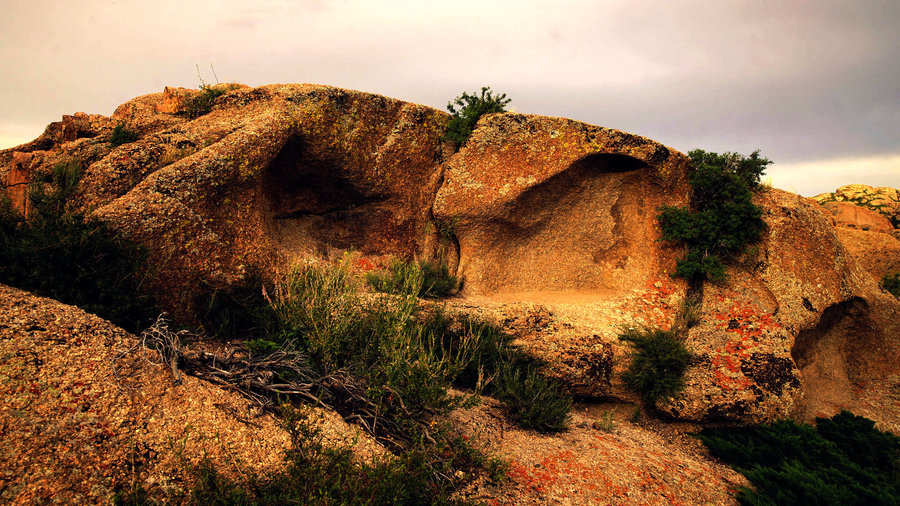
551, 223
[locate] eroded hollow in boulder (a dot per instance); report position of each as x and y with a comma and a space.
315, 205
836, 356
590, 227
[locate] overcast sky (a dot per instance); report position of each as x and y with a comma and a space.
814, 84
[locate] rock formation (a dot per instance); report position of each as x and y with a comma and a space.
866, 219
883, 200
551, 223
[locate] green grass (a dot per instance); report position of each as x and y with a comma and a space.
430, 279
534, 402
121, 134
891, 283
203, 102
843, 460
406, 355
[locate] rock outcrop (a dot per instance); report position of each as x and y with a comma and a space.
551, 223
866, 219
883, 200
87, 412
847, 215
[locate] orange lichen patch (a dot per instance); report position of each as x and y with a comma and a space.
654, 305
587, 467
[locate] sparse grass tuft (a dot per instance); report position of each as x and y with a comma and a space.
606, 422
121, 134
203, 102
534, 402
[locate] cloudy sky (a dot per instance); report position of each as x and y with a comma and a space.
814, 84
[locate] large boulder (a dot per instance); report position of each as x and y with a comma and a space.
550, 204
847, 215
800, 329
87, 411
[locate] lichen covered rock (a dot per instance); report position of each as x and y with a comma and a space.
551, 223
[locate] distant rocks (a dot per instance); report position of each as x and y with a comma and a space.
882, 200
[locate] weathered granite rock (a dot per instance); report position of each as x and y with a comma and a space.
847, 215
877, 253
882, 199
272, 174
800, 329
551, 223
540, 203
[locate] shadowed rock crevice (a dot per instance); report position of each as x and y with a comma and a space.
578, 230
837, 355
313, 204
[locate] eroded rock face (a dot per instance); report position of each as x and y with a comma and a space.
799, 330
877, 253
847, 215
540, 203
865, 219
550, 222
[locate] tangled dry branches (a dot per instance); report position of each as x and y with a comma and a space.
283, 376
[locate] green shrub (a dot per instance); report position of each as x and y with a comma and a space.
658, 364
891, 283
534, 402
121, 134
76, 260
422, 279
843, 460
467, 111
722, 218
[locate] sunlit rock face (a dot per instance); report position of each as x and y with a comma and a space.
551, 223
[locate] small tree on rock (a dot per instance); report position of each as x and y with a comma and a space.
467, 110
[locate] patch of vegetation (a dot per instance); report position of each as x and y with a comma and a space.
844, 460
121, 134
77, 260
431, 279
891, 283
236, 312
407, 357
722, 218
606, 422
658, 364
468, 109
533, 401
318, 472
202, 103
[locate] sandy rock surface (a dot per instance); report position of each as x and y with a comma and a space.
86, 411
618, 463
